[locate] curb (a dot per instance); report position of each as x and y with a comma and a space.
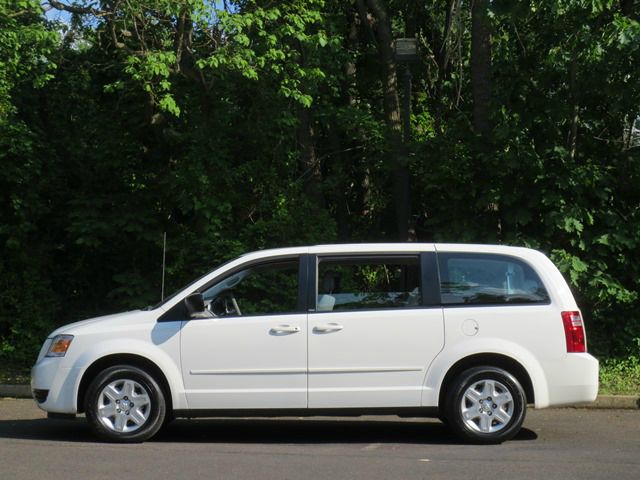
626, 402
15, 391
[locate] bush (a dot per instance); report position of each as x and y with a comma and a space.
620, 376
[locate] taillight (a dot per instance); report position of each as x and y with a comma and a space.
574, 332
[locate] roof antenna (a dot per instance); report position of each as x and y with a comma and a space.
164, 256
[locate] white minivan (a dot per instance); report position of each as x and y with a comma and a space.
467, 333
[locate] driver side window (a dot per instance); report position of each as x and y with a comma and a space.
262, 289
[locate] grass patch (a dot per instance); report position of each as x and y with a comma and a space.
14, 376
620, 376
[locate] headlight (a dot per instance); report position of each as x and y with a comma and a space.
59, 345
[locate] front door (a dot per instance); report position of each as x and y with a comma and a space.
252, 352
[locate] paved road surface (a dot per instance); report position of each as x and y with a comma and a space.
555, 444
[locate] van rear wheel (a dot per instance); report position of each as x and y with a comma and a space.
485, 405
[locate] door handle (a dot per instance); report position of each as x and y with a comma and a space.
328, 328
284, 329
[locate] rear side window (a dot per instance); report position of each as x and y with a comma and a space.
469, 278
368, 283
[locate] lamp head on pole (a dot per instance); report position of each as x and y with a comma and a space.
405, 49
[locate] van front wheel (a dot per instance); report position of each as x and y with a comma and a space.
486, 405
125, 404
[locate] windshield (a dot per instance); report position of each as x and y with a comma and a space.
226, 284
170, 297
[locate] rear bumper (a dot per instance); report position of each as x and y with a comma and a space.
571, 381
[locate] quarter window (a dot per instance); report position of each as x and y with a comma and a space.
368, 283
488, 279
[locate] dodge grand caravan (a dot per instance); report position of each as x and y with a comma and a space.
470, 334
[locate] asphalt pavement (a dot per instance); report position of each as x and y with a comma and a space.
554, 444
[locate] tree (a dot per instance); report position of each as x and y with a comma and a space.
233, 126
481, 67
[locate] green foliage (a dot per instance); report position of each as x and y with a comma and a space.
621, 376
27, 300
233, 126
24, 46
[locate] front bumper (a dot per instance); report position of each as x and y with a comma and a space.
40, 395
60, 383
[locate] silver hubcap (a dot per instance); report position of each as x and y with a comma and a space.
487, 406
124, 406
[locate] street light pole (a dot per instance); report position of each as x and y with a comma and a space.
406, 105
406, 51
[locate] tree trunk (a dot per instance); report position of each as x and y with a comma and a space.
398, 151
481, 84
338, 193
572, 141
309, 162
481, 68
343, 163
628, 9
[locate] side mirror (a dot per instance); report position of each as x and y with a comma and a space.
195, 304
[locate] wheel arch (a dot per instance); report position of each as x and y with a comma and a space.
505, 362
123, 359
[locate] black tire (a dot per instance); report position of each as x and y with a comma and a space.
169, 418
122, 386
478, 416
